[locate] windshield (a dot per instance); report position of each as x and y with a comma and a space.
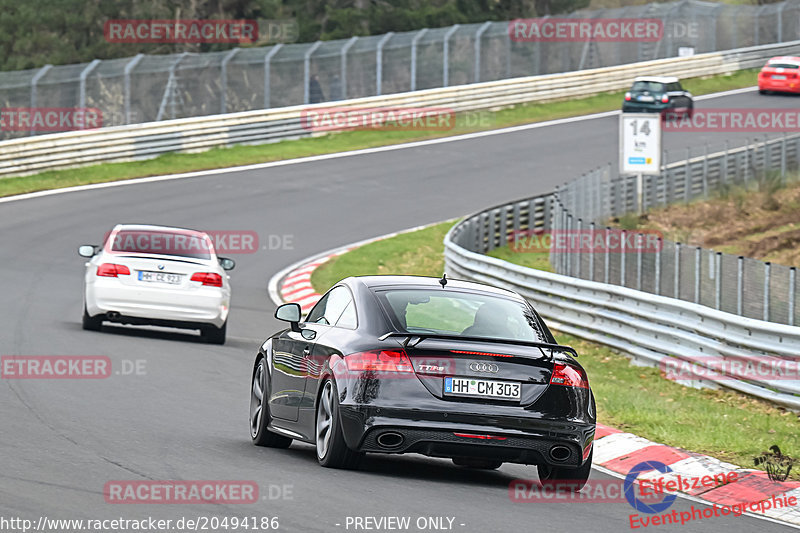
782, 65
651, 86
461, 313
162, 243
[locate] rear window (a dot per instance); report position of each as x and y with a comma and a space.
651, 86
783, 65
162, 243
460, 313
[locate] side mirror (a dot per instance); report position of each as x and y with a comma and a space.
86, 250
226, 264
289, 313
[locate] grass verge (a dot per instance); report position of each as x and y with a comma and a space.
340, 142
723, 424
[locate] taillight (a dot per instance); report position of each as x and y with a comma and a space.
479, 437
208, 278
110, 270
379, 361
569, 376
665, 99
627, 97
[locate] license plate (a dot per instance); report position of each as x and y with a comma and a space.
481, 388
778, 77
645, 99
160, 277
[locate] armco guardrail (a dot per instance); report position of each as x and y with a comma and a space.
141, 141
651, 328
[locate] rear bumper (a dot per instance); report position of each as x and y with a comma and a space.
779, 86
525, 441
136, 305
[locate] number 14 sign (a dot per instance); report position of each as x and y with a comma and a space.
640, 143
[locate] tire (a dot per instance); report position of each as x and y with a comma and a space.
575, 477
91, 323
690, 112
214, 335
332, 450
259, 411
480, 464
762, 91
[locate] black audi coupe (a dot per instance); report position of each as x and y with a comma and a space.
407, 364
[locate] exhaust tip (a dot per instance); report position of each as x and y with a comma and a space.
559, 453
390, 439
112, 315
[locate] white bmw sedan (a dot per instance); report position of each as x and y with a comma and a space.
156, 275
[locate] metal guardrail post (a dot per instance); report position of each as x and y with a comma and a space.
568, 255
414, 43
705, 172
639, 242
223, 94
478, 35
697, 273
677, 287
34, 85
579, 252
746, 169
267, 68
307, 71
379, 63
126, 85
687, 187
622, 252
792, 287
739, 284
343, 66
82, 82
724, 165
783, 159
767, 271
446, 55
718, 280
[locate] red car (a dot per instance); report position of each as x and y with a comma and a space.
780, 74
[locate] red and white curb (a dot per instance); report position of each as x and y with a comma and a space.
615, 452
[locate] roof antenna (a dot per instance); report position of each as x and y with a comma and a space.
443, 281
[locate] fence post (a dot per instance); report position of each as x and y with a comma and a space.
780, 22
478, 35
705, 172
739, 284
746, 170
783, 159
688, 176
607, 257
640, 237
34, 82
127, 85
676, 289
379, 63
767, 271
223, 94
591, 252
718, 279
267, 62
414, 42
446, 55
792, 282
307, 71
579, 253
622, 253
697, 273
658, 267
724, 169
343, 67
82, 83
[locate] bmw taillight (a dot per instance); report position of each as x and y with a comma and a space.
210, 279
665, 99
568, 376
379, 361
628, 97
110, 270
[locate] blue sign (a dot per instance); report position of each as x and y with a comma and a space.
636, 160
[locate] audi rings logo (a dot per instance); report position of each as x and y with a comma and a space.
484, 367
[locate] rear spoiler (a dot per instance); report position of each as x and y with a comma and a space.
419, 337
